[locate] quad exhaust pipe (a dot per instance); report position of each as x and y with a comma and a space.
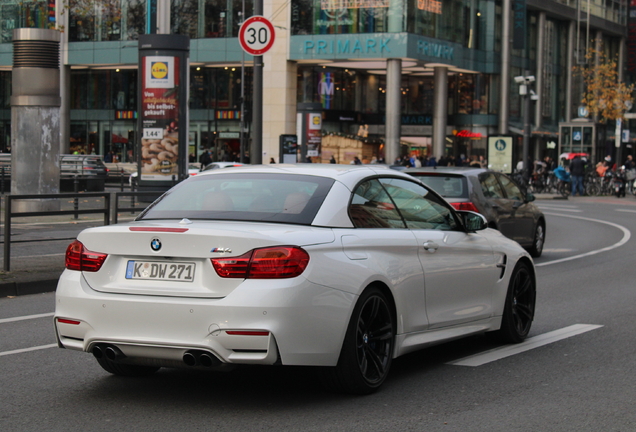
111, 352
200, 358
191, 358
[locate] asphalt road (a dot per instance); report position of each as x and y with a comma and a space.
584, 382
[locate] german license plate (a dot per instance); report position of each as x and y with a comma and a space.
162, 271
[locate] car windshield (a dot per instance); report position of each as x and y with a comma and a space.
285, 198
448, 186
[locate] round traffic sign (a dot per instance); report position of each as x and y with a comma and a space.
256, 35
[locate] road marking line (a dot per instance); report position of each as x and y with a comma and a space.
626, 236
627, 211
562, 209
41, 347
530, 343
39, 256
26, 317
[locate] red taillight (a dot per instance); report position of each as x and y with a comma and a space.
157, 229
80, 259
268, 263
465, 206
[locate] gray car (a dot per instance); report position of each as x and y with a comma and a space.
507, 206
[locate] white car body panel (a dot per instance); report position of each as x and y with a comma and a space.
457, 290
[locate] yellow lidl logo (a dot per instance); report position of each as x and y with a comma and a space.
159, 70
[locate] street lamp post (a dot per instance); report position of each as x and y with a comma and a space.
527, 94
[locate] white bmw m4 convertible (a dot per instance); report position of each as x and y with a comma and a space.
343, 267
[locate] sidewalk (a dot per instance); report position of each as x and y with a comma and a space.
34, 275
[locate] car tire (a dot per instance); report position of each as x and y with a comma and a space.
367, 350
518, 312
123, 369
538, 241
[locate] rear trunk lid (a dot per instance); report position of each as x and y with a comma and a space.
168, 258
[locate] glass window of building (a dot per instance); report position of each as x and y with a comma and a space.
25, 14
353, 16
106, 20
335, 89
104, 89
448, 20
208, 18
219, 88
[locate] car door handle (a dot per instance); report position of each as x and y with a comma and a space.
430, 246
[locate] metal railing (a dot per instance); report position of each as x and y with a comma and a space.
109, 206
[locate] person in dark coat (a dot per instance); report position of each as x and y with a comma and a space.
577, 172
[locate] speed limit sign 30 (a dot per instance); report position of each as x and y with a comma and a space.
256, 35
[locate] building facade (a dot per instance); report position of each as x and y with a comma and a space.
429, 77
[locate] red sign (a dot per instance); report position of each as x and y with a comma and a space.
256, 35
468, 134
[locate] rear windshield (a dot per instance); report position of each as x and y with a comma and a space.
275, 197
448, 186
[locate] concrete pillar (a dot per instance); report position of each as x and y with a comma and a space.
393, 123
504, 89
539, 72
568, 78
440, 113
35, 117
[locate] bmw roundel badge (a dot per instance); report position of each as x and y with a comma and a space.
155, 244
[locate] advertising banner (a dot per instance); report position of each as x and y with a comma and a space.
160, 118
500, 153
314, 134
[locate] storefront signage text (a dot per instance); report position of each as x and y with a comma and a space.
468, 134
430, 6
435, 50
365, 46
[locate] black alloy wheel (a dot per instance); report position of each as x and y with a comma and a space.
368, 346
518, 312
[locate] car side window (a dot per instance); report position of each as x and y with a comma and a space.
420, 208
490, 186
512, 190
371, 207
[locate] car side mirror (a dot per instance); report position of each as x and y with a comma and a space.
473, 221
530, 197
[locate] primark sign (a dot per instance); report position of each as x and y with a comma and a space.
375, 45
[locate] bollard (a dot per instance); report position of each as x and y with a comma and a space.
76, 200
121, 179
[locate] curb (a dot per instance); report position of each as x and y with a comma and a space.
14, 289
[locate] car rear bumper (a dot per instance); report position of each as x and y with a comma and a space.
294, 323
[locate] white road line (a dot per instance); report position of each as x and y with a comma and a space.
627, 211
26, 317
41, 347
39, 256
626, 236
562, 209
530, 343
